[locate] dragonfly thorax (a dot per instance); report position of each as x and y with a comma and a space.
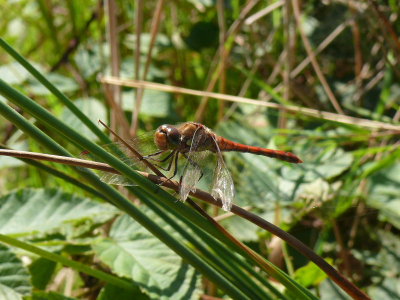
167, 137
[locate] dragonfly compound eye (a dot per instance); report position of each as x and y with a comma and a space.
173, 134
166, 137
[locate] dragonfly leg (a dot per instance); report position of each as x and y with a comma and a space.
169, 167
164, 160
175, 166
154, 154
175, 158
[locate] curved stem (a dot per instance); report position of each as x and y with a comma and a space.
338, 278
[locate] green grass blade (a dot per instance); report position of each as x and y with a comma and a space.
115, 197
64, 99
229, 269
67, 262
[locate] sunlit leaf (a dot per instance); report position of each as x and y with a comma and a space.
154, 103
13, 275
329, 290
14, 73
134, 253
88, 58
241, 229
383, 265
309, 275
128, 70
30, 211
7, 293
384, 194
64, 84
161, 42
320, 163
386, 289
92, 108
11, 162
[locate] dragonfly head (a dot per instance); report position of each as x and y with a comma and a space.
167, 137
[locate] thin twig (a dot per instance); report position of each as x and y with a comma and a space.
334, 34
393, 43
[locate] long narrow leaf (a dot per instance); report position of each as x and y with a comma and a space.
112, 194
64, 99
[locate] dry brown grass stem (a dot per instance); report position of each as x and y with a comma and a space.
136, 55
139, 94
117, 109
243, 89
317, 68
217, 67
335, 33
263, 12
112, 38
223, 54
294, 109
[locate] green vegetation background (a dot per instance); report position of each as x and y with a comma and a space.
343, 201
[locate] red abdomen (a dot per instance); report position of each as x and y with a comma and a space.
227, 145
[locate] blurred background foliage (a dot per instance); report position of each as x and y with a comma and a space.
343, 201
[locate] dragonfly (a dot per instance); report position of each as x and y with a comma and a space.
188, 147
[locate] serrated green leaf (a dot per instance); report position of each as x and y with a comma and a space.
384, 194
88, 58
154, 103
7, 293
12, 274
30, 211
386, 289
329, 291
128, 70
241, 229
133, 252
383, 265
261, 182
92, 108
320, 163
161, 42
14, 73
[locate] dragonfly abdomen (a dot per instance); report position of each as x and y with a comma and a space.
227, 145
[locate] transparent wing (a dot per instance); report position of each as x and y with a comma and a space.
144, 144
192, 171
222, 185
